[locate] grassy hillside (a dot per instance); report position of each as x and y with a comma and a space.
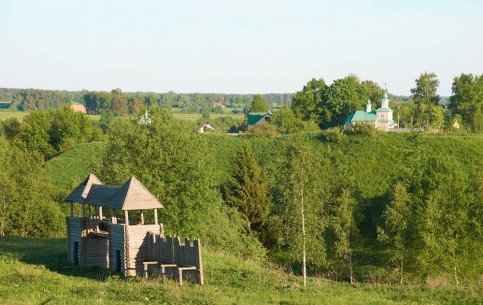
71, 167
374, 161
33, 271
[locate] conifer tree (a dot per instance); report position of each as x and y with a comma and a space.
246, 189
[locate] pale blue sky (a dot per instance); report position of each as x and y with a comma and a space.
235, 46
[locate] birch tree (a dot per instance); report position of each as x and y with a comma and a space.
345, 228
304, 207
396, 232
446, 218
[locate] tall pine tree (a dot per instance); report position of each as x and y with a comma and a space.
246, 189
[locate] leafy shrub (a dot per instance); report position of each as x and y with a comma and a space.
11, 127
334, 134
362, 129
287, 123
52, 132
264, 130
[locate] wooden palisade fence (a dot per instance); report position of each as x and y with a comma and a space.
175, 259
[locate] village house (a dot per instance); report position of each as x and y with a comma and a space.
257, 118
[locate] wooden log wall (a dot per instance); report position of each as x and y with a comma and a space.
96, 251
117, 236
137, 249
74, 234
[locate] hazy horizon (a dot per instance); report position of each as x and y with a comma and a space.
240, 47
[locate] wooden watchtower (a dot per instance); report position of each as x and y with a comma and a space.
98, 238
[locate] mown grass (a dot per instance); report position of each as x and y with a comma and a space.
34, 271
4, 115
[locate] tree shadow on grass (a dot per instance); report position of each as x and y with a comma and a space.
48, 252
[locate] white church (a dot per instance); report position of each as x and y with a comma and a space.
381, 118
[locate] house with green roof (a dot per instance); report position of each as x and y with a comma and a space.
257, 118
381, 118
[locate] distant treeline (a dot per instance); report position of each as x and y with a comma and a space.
124, 103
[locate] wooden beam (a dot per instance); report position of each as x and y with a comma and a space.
83, 210
113, 216
142, 217
71, 209
100, 213
155, 216
126, 216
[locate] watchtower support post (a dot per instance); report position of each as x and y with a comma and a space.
126, 216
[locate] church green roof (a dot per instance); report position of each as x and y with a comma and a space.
385, 96
384, 110
362, 116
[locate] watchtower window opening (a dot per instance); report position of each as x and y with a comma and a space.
76, 253
118, 260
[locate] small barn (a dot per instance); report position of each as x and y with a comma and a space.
111, 232
257, 118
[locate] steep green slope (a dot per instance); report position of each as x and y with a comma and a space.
375, 161
71, 167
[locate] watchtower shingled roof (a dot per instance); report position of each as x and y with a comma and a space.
79, 194
132, 195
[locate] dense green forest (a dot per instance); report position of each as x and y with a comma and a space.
124, 103
375, 206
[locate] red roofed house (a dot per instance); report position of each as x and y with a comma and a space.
78, 108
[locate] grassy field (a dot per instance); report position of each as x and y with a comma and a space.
19, 115
193, 117
34, 271
12, 114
